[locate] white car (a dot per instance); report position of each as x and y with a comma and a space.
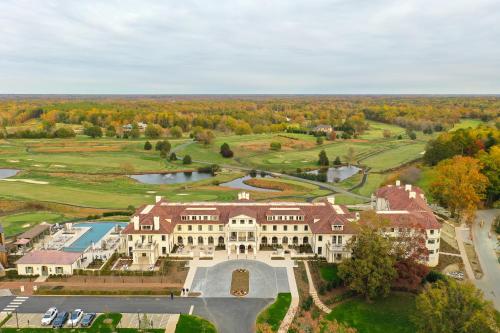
49, 316
74, 318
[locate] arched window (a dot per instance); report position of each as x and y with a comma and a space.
275, 240
200, 240
221, 240
210, 240
264, 240
285, 240
190, 240
305, 240
180, 240
295, 240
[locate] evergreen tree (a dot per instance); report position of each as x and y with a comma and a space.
147, 145
323, 159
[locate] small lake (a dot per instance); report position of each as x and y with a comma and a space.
340, 173
171, 178
6, 173
239, 184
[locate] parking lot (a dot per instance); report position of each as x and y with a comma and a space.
129, 320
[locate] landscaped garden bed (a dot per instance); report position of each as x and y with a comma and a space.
240, 282
273, 315
191, 324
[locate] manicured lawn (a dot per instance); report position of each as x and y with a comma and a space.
394, 157
387, 315
373, 182
18, 223
105, 323
329, 272
191, 324
273, 315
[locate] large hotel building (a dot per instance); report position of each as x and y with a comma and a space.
245, 226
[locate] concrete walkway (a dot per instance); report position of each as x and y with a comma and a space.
294, 305
463, 254
313, 292
172, 323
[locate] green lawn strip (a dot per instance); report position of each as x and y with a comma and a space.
385, 315
17, 223
345, 199
373, 182
191, 324
100, 325
392, 158
329, 272
273, 315
376, 130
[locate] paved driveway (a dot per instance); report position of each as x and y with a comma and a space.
485, 248
265, 281
230, 315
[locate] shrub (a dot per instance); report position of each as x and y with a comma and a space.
148, 145
337, 161
307, 303
434, 276
93, 131
172, 157
64, 132
319, 140
187, 160
275, 146
226, 151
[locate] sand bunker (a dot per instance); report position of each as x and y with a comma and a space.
182, 194
13, 161
58, 166
151, 192
29, 181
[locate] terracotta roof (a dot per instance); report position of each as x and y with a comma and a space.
35, 231
49, 257
322, 211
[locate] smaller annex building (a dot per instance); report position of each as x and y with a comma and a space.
49, 262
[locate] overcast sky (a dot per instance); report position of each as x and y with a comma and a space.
236, 46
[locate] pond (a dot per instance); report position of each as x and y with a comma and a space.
239, 184
6, 173
171, 178
339, 173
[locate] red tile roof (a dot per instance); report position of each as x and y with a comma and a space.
49, 257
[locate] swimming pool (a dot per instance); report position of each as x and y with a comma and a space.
93, 235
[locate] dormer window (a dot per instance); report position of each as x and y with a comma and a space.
337, 227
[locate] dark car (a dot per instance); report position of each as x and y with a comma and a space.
61, 319
87, 319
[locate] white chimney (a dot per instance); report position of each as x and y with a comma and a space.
357, 216
243, 196
408, 187
331, 199
413, 195
156, 223
135, 220
158, 198
398, 182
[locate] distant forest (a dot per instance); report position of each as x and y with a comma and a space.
246, 115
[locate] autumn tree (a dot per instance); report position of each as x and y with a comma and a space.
205, 136
449, 306
226, 151
491, 169
110, 131
370, 270
460, 186
153, 131
350, 156
176, 132
93, 131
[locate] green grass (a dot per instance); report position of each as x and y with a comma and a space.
387, 315
99, 326
396, 156
329, 272
189, 324
465, 123
273, 315
376, 130
373, 182
20, 222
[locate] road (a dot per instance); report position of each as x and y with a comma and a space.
485, 249
229, 314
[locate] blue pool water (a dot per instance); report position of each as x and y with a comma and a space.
93, 235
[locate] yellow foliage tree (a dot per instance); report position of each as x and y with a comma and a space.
460, 186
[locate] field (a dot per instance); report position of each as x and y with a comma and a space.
274, 313
387, 315
20, 222
90, 173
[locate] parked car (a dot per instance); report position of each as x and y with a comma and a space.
61, 319
88, 319
75, 317
49, 316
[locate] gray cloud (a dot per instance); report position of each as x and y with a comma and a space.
250, 46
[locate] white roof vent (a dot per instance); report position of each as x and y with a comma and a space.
158, 198
398, 182
413, 195
408, 187
243, 196
331, 199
